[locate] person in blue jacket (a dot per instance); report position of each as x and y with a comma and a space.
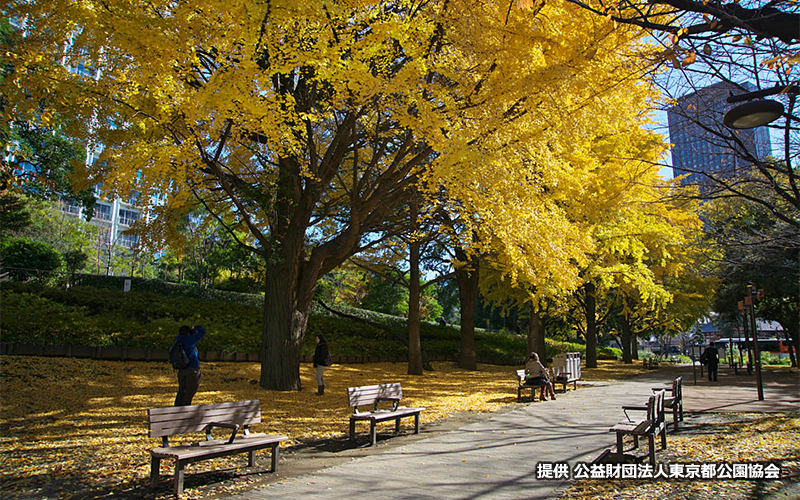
189, 377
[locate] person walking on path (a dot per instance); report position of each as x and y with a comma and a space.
189, 376
536, 375
710, 358
322, 360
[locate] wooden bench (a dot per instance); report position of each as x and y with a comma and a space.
651, 426
522, 385
371, 395
566, 369
236, 416
673, 400
650, 363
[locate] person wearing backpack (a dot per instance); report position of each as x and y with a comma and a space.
322, 360
189, 375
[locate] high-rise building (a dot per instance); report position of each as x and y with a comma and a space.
702, 145
113, 215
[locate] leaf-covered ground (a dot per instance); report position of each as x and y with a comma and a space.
69, 426
727, 437
73, 428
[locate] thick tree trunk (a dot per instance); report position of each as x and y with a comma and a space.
536, 335
590, 309
285, 320
414, 292
635, 347
626, 340
467, 277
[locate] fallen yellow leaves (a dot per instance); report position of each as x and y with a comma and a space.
728, 438
85, 420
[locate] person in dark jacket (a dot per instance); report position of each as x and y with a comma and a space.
322, 359
189, 377
710, 358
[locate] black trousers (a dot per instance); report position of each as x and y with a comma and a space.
712, 372
188, 383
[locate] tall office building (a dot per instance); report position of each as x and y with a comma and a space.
702, 144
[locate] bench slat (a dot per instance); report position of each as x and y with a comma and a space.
208, 449
171, 417
199, 422
254, 403
370, 394
386, 415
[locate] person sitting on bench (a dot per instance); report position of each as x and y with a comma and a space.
536, 375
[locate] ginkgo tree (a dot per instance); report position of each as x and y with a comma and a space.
306, 124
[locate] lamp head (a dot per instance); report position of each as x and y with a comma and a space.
753, 114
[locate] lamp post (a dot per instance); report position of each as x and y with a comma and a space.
750, 298
758, 111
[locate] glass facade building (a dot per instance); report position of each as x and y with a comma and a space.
702, 146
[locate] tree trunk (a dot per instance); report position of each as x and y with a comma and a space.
536, 335
626, 340
285, 320
635, 347
467, 277
792, 335
414, 290
590, 309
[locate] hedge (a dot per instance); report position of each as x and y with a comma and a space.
145, 318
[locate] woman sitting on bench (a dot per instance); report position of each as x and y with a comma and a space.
536, 375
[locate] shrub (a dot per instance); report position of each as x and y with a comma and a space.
609, 353
26, 258
767, 358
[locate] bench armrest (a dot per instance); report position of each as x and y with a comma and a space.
234, 427
637, 408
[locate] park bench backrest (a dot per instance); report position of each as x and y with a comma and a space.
172, 420
570, 362
677, 388
655, 408
372, 394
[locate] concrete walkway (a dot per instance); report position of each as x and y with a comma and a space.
496, 458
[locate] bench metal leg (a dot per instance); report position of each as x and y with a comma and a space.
373, 435
251, 458
352, 430
664, 438
635, 441
178, 478
275, 456
619, 444
155, 471
397, 425
416, 423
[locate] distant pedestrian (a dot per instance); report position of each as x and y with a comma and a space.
710, 358
537, 375
322, 360
189, 376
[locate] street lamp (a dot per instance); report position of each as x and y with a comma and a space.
756, 112
750, 298
753, 114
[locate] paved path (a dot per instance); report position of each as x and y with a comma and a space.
495, 458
